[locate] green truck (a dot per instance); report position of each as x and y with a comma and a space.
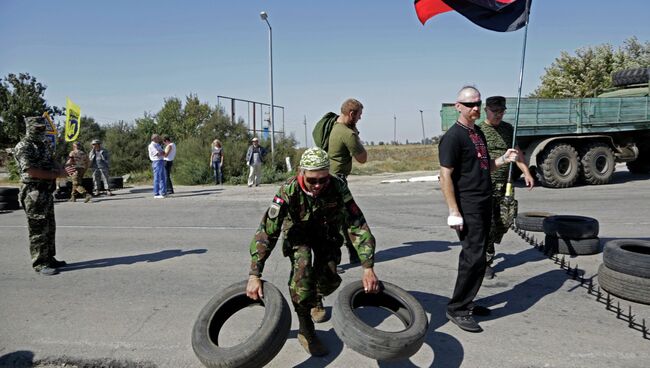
572, 140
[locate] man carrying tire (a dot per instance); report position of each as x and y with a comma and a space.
310, 209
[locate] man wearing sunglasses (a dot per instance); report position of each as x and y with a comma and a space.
310, 209
498, 136
465, 167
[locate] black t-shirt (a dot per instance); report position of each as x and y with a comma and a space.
464, 150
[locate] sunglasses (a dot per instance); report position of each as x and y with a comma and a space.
497, 111
471, 104
316, 181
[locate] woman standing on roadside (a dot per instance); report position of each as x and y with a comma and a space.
216, 161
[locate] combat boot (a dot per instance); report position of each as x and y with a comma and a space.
109, 193
307, 336
318, 313
88, 197
72, 198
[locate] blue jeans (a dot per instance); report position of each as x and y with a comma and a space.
216, 168
159, 178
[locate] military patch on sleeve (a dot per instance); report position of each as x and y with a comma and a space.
274, 210
278, 200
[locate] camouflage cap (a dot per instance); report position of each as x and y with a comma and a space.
35, 122
96, 141
315, 159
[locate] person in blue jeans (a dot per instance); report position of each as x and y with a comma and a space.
216, 161
157, 157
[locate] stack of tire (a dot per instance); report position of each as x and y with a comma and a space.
625, 271
9, 199
573, 235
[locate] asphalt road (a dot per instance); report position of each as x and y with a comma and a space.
141, 269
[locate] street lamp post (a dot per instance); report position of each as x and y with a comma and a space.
422, 120
265, 17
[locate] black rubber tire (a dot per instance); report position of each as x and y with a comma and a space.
559, 166
571, 227
574, 247
87, 183
372, 342
9, 206
628, 287
532, 221
597, 164
627, 77
628, 256
9, 191
8, 198
116, 182
261, 347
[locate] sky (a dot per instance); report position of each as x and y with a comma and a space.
120, 59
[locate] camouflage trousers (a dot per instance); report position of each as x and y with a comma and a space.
313, 271
38, 203
503, 213
77, 185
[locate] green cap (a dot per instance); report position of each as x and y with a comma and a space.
315, 159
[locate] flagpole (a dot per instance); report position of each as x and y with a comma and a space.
521, 81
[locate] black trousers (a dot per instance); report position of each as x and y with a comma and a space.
471, 262
168, 172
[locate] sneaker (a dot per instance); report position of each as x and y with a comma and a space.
466, 322
318, 313
55, 263
159, 196
489, 273
109, 193
88, 197
47, 271
479, 310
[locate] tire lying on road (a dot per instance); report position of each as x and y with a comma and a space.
372, 342
116, 182
629, 256
574, 247
9, 191
532, 221
628, 287
262, 345
571, 227
9, 206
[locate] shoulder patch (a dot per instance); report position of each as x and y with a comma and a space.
274, 211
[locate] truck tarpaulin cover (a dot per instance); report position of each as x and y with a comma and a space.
495, 15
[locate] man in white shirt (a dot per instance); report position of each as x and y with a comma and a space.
170, 154
157, 155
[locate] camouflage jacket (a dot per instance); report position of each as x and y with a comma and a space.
312, 221
31, 154
498, 140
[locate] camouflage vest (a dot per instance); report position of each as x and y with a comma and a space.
498, 140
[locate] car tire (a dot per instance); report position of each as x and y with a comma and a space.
574, 247
256, 351
372, 342
571, 227
629, 256
531, 221
628, 287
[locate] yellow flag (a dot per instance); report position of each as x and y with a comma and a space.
73, 121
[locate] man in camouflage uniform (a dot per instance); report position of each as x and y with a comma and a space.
310, 209
38, 172
498, 135
76, 167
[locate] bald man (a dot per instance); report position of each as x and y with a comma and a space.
465, 166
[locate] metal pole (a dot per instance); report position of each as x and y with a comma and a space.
521, 81
305, 122
424, 137
394, 129
264, 17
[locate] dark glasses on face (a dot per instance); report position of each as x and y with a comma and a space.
497, 111
471, 104
316, 181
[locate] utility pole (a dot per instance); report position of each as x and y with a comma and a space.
424, 137
395, 129
305, 122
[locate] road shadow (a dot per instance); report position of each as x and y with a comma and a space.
507, 261
409, 249
523, 295
195, 193
127, 260
18, 359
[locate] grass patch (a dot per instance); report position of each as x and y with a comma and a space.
389, 158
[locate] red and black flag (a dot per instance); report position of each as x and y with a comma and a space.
495, 15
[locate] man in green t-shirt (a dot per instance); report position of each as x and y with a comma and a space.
344, 143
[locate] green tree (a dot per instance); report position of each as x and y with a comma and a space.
128, 147
588, 72
20, 96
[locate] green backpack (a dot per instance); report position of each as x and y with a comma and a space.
321, 132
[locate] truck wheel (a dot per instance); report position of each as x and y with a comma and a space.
597, 164
628, 287
560, 166
256, 351
372, 342
627, 77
